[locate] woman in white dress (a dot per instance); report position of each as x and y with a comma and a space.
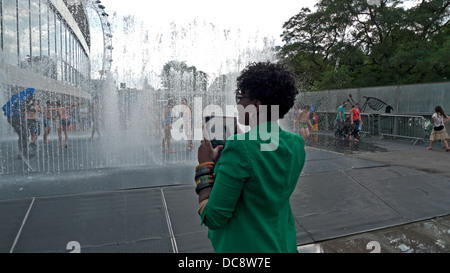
439, 132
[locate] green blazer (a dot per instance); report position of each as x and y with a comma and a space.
248, 209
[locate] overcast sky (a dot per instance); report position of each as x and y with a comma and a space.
263, 15
247, 24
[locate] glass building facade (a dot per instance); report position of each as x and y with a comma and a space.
36, 37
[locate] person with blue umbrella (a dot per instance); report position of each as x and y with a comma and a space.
15, 112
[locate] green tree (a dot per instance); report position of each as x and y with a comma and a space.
177, 75
353, 43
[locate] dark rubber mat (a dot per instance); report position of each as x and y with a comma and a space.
182, 206
335, 196
330, 205
413, 194
12, 214
96, 222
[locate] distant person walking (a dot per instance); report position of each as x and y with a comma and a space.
439, 132
340, 119
355, 118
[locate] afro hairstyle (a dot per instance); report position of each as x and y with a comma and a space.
270, 83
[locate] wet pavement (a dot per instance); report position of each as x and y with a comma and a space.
427, 236
398, 152
375, 196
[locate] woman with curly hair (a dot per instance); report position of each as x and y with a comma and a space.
439, 132
244, 196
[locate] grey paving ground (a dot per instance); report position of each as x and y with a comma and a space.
414, 167
346, 200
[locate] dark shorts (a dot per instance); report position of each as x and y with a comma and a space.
65, 122
47, 123
34, 127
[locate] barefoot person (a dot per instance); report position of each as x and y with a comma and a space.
167, 125
47, 120
187, 123
304, 122
64, 122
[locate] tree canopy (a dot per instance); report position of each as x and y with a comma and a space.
178, 75
355, 43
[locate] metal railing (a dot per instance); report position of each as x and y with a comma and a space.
368, 126
402, 126
326, 123
411, 127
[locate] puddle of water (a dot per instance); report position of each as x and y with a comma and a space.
345, 146
312, 248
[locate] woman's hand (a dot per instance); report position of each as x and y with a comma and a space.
206, 152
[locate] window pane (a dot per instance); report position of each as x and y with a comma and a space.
45, 61
63, 52
10, 31
24, 33
58, 48
88, 67
52, 42
52, 35
35, 29
1, 28
72, 56
69, 47
44, 30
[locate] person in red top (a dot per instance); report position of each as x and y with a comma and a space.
355, 117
